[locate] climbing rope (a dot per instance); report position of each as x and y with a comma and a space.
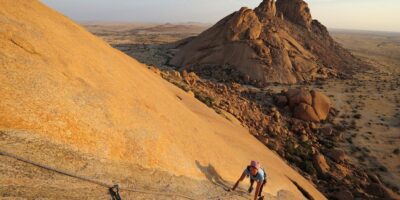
113, 189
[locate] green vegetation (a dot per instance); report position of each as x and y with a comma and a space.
204, 98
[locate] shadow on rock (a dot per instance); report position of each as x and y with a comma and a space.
212, 175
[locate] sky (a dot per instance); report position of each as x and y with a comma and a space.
381, 15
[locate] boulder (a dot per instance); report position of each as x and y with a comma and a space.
281, 100
305, 112
263, 139
297, 96
155, 70
190, 93
190, 78
309, 106
298, 126
174, 75
342, 171
313, 126
320, 164
266, 121
321, 104
304, 138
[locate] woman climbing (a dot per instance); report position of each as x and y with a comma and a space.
256, 174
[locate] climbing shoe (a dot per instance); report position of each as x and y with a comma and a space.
250, 189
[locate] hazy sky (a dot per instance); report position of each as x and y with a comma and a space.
351, 14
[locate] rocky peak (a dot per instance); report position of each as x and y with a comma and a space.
296, 11
266, 10
244, 25
265, 49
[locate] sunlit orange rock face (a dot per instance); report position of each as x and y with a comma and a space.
63, 85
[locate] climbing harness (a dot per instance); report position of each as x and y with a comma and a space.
113, 189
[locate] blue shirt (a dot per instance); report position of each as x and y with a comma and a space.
260, 176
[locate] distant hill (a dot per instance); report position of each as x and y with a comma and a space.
276, 42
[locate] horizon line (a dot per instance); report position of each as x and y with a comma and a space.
212, 23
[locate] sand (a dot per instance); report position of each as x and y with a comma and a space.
375, 95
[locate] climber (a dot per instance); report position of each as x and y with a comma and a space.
256, 174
